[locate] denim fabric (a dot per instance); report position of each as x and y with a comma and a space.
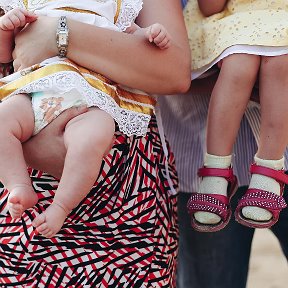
184, 2
220, 259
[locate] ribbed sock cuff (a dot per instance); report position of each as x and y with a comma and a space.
273, 164
214, 161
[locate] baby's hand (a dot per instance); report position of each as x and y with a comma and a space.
16, 18
157, 34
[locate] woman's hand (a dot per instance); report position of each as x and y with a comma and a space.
46, 150
35, 43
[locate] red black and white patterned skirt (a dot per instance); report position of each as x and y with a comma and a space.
123, 234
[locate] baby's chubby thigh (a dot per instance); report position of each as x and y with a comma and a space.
93, 129
16, 117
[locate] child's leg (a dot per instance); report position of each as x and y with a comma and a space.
16, 126
227, 105
274, 127
87, 138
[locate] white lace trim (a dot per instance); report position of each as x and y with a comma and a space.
129, 122
129, 11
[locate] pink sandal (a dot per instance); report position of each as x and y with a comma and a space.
213, 203
263, 199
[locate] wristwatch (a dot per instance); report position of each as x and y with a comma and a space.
62, 36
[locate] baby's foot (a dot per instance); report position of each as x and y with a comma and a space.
51, 221
21, 198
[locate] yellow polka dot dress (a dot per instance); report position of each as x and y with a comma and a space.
245, 26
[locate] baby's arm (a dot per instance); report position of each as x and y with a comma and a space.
11, 23
155, 33
210, 7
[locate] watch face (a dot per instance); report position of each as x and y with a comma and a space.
62, 39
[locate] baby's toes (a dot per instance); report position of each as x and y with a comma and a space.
38, 221
15, 210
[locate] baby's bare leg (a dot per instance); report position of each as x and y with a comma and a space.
87, 138
16, 126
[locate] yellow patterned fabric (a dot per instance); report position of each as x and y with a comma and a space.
243, 22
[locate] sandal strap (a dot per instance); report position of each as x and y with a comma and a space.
213, 203
278, 175
226, 173
263, 199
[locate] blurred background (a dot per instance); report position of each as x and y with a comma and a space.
268, 266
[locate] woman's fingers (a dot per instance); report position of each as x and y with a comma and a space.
16, 65
46, 150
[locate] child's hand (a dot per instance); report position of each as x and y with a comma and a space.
16, 18
157, 34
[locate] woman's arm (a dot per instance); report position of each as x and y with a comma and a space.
6, 47
124, 58
210, 7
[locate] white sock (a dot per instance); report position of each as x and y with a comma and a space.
265, 183
213, 185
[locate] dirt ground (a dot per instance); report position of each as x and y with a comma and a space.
268, 266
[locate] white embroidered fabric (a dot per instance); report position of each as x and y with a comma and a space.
128, 12
8, 5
